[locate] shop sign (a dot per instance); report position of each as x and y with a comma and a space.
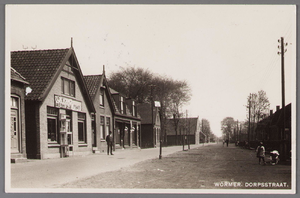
67, 103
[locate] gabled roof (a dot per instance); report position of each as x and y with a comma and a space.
16, 76
191, 123
41, 68
144, 110
116, 107
38, 67
93, 82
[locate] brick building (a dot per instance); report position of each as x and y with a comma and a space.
151, 126
17, 112
127, 121
59, 109
102, 122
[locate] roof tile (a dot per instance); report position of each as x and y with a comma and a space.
38, 67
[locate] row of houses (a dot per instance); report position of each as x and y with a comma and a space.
271, 131
56, 111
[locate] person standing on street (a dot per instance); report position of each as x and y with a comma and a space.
260, 153
227, 141
109, 140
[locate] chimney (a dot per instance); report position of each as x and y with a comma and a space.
103, 73
271, 111
277, 107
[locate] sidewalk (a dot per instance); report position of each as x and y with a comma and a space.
51, 173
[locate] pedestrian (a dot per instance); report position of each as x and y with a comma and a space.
109, 139
227, 141
260, 153
223, 142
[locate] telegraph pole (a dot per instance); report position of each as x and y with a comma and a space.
152, 121
249, 118
282, 134
282, 85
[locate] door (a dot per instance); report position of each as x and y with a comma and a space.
14, 131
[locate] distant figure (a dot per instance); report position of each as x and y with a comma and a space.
109, 139
260, 153
223, 142
227, 141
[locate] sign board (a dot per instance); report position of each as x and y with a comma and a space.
67, 103
156, 103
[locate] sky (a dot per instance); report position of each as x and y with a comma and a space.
224, 52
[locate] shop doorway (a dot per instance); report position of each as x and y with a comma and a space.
14, 129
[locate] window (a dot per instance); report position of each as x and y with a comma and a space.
102, 130
101, 98
81, 128
107, 125
52, 120
68, 87
122, 104
14, 102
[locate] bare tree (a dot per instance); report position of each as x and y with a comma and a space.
132, 81
136, 83
258, 104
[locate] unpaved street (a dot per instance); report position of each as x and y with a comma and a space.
207, 167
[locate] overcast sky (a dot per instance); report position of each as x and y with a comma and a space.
223, 52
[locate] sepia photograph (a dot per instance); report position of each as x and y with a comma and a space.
146, 98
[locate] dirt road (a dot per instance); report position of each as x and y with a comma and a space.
208, 167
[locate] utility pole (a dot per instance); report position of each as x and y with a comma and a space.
152, 121
282, 134
249, 118
203, 133
237, 130
282, 85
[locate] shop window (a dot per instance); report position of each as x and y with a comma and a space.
68, 87
107, 125
101, 98
102, 129
82, 128
52, 124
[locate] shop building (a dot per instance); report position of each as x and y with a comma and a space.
59, 109
17, 112
127, 121
102, 121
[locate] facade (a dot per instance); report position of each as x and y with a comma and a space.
59, 109
270, 131
127, 121
102, 122
17, 112
151, 126
188, 131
